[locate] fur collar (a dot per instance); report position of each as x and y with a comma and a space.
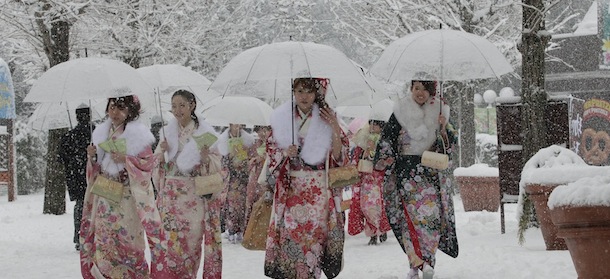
317, 141
137, 136
190, 156
222, 145
420, 122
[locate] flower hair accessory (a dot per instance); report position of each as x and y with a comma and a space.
136, 99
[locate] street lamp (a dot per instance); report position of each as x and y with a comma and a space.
489, 97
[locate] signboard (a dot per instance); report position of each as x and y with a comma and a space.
590, 128
485, 120
7, 93
603, 15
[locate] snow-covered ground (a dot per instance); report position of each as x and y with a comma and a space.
34, 245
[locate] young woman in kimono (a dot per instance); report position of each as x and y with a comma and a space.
257, 161
112, 234
418, 207
367, 211
234, 144
306, 232
189, 219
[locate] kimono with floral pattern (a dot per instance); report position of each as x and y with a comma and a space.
418, 205
112, 234
189, 219
255, 166
367, 211
236, 185
306, 232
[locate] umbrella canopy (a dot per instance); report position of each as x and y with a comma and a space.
237, 110
381, 110
266, 72
445, 54
88, 78
49, 116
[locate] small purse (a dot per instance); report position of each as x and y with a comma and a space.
208, 184
365, 166
435, 160
108, 189
343, 176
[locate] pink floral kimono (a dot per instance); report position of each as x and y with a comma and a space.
367, 211
306, 234
189, 220
113, 235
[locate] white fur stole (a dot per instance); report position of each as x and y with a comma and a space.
190, 155
420, 122
222, 145
317, 141
137, 136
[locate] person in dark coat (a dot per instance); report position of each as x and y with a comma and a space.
73, 153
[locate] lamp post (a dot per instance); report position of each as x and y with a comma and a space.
489, 97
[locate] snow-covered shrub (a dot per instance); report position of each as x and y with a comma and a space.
30, 160
486, 150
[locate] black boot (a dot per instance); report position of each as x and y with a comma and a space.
383, 237
373, 240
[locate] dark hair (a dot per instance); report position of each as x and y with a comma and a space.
83, 115
260, 127
377, 122
314, 85
429, 85
189, 97
130, 102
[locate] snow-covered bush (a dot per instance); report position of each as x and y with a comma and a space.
486, 150
30, 160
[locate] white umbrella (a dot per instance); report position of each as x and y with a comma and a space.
49, 116
85, 79
381, 110
237, 110
169, 78
444, 54
88, 78
266, 72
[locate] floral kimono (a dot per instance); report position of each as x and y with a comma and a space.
253, 190
418, 206
112, 235
367, 211
306, 232
189, 219
234, 151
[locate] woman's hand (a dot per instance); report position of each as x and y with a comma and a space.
443, 121
292, 151
118, 157
205, 154
91, 151
163, 145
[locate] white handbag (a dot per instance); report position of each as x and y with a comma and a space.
435, 160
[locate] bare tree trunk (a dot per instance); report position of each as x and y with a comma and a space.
55, 184
56, 39
533, 96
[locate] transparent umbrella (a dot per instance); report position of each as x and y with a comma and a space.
85, 79
444, 54
237, 110
49, 116
266, 72
378, 111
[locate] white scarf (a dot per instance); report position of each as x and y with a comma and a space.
190, 156
137, 137
223, 141
420, 121
317, 141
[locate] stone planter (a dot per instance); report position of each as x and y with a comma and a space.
539, 195
479, 192
586, 230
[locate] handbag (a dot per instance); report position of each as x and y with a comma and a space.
255, 236
435, 160
343, 176
108, 189
208, 184
365, 166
